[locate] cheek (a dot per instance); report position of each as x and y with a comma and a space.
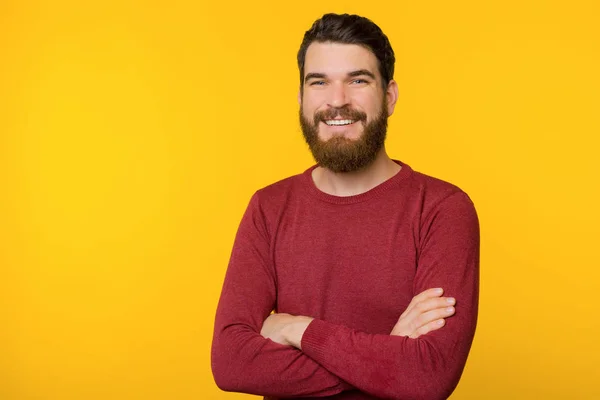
312, 103
372, 107
307, 113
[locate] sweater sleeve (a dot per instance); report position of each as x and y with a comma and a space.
242, 360
429, 367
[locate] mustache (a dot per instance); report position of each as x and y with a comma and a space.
342, 112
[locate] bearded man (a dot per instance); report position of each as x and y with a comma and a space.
358, 278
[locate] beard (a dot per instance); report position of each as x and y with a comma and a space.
340, 154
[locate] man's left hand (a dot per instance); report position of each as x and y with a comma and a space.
285, 329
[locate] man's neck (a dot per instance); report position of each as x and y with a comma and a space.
353, 183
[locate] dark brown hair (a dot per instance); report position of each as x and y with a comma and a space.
350, 29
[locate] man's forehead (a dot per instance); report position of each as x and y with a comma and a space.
338, 58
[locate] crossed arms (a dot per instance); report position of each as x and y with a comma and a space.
283, 356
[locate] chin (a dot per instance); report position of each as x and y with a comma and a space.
324, 137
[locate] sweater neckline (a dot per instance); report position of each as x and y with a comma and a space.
369, 194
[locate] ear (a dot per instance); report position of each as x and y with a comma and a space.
392, 96
299, 97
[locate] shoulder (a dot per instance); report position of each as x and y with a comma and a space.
276, 195
280, 189
433, 186
434, 194
443, 208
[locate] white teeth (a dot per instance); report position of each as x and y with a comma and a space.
339, 122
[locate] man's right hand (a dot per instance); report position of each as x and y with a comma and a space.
425, 313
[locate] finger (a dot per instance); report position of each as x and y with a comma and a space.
429, 293
409, 324
430, 327
424, 295
433, 315
421, 316
429, 305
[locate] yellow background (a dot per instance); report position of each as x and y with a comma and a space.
132, 135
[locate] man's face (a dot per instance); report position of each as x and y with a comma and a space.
343, 107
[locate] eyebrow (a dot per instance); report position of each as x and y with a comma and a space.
314, 75
352, 74
361, 72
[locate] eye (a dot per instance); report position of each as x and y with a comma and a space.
317, 83
360, 81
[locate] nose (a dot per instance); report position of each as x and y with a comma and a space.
338, 97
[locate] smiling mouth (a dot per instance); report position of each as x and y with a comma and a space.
339, 122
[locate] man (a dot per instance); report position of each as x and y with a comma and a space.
371, 268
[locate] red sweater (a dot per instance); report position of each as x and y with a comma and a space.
354, 264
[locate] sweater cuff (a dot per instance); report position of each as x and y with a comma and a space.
315, 339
